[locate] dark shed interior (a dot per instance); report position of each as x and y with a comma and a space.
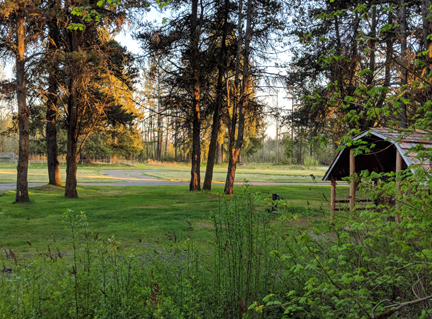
382, 158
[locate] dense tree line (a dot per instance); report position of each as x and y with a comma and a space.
202, 70
354, 65
359, 64
208, 53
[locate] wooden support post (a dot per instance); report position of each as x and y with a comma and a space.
332, 199
352, 184
398, 183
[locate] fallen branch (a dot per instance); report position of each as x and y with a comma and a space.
398, 306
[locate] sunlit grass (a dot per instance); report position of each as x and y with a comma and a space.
8, 175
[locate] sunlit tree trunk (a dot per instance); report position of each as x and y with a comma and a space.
220, 153
236, 144
195, 184
23, 111
216, 122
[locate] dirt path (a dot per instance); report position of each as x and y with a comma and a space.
135, 178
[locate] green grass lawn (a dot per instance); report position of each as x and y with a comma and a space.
134, 215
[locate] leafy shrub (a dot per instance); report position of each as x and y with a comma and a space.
310, 161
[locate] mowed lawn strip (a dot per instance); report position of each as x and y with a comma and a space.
41, 176
133, 214
255, 177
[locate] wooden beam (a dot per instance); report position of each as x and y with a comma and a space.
352, 171
398, 183
332, 199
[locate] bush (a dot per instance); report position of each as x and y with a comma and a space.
310, 161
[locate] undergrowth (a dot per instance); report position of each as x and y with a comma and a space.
172, 279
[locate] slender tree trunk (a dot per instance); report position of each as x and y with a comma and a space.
220, 153
388, 62
216, 122
404, 73
195, 183
159, 123
166, 137
72, 134
235, 149
23, 112
427, 30
232, 122
371, 44
51, 129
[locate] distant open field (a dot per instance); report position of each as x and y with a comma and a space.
264, 173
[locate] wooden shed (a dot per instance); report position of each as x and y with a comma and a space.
387, 156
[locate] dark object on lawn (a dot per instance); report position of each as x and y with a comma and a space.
275, 197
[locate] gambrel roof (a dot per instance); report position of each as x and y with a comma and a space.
383, 156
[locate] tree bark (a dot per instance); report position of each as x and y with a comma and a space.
23, 111
220, 153
232, 122
51, 129
216, 122
427, 30
236, 148
404, 73
372, 43
195, 183
388, 62
159, 122
72, 134
352, 170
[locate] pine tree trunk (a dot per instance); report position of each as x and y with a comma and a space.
236, 148
220, 153
427, 30
72, 134
404, 73
232, 123
51, 129
216, 123
23, 112
232, 166
372, 48
159, 123
388, 61
195, 183
159, 127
